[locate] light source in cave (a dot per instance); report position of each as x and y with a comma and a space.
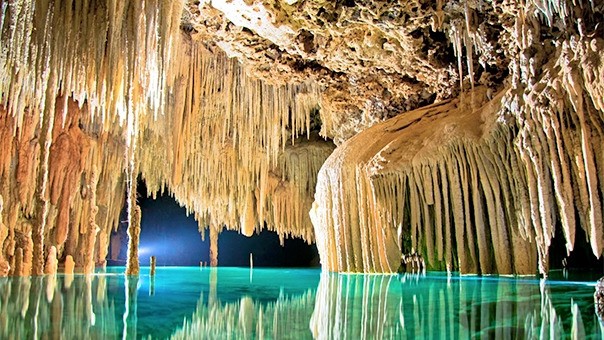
172, 237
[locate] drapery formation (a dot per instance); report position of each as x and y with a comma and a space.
96, 94
504, 149
473, 184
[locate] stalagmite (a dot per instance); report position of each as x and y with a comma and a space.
134, 211
51, 261
18, 266
69, 265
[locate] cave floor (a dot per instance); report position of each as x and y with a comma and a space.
239, 303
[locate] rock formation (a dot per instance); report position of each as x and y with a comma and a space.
467, 132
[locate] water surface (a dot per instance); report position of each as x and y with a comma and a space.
236, 303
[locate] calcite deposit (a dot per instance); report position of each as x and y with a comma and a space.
465, 133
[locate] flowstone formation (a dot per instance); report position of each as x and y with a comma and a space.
467, 132
480, 183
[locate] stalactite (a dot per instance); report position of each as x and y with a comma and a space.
234, 155
247, 218
115, 89
490, 227
545, 131
68, 153
114, 68
227, 146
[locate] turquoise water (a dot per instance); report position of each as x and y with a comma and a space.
234, 303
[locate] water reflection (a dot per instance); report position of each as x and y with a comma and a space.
56, 307
395, 307
225, 303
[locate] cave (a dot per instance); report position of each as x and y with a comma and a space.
316, 161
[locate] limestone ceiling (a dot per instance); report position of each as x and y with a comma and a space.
377, 59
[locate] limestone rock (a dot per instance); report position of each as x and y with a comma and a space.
233, 107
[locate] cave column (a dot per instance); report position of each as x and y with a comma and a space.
42, 202
134, 211
134, 230
213, 246
4, 265
93, 228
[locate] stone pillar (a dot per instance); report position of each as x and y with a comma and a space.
213, 246
4, 265
134, 230
93, 228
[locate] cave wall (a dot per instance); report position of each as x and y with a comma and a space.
67, 195
486, 204
466, 131
475, 185
95, 94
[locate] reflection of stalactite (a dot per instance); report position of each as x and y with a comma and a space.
51, 307
248, 319
343, 306
368, 306
344, 303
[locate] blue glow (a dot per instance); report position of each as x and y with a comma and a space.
170, 235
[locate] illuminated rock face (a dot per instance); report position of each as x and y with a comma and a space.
477, 126
474, 185
84, 115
